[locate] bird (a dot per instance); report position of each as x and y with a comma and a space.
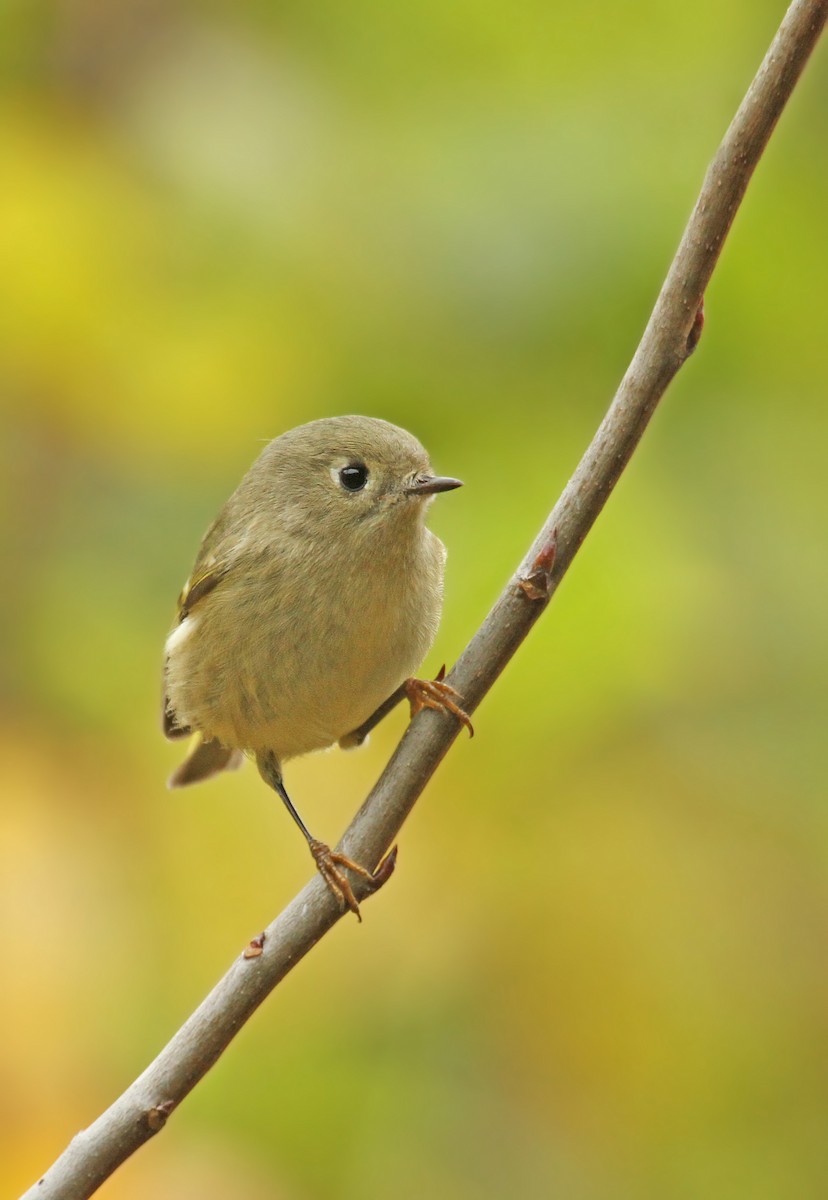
315, 595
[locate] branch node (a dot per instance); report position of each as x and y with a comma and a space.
696, 328
156, 1117
385, 869
254, 948
537, 585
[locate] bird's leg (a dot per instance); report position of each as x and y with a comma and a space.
434, 693
420, 693
328, 862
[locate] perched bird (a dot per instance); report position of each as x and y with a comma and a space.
315, 594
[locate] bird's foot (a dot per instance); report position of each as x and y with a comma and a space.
328, 863
433, 693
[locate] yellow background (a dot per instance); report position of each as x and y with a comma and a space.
600, 971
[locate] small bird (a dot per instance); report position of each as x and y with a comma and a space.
315, 594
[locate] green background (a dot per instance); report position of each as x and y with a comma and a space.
600, 972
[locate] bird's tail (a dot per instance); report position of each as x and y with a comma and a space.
206, 758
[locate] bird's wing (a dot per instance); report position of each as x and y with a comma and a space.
218, 555
202, 581
200, 584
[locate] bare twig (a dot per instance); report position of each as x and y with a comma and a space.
671, 334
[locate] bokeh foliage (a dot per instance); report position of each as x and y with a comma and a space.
601, 971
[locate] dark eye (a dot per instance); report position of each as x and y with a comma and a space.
354, 477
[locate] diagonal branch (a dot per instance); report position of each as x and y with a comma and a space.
670, 336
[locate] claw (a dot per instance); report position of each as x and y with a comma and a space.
434, 693
328, 863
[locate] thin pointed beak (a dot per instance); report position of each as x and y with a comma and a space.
427, 485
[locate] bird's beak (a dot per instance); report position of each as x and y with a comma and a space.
427, 485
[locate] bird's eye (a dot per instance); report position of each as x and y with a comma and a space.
354, 477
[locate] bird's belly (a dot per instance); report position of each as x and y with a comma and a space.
293, 689
330, 688
305, 656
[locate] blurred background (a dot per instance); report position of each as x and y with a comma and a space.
600, 971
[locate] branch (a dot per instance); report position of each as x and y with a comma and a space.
670, 336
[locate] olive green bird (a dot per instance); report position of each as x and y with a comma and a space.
315, 594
